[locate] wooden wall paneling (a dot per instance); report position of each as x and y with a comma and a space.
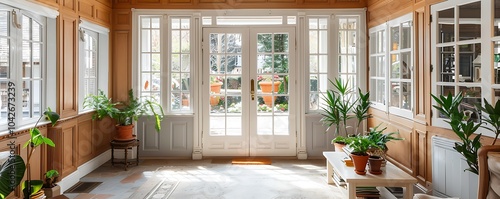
69, 4
381, 11
419, 73
102, 134
238, 1
103, 15
145, 1
237, 4
420, 158
86, 9
214, 1
55, 153
426, 66
85, 148
122, 19
64, 155
108, 3
401, 150
67, 70
315, 1
70, 147
121, 65
179, 1
121, 3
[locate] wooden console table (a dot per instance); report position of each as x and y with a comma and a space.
116, 144
391, 176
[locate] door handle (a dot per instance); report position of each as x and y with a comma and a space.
252, 89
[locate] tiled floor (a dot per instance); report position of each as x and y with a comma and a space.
183, 179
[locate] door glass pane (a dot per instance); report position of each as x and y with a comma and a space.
446, 28
264, 43
272, 83
225, 97
470, 21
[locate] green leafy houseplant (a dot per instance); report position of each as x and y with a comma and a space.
125, 113
462, 126
339, 107
380, 138
359, 146
492, 117
16, 165
51, 177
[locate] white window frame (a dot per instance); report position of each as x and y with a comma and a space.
333, 58
46, 16
102, 71
387, 27
487, 39
381, 106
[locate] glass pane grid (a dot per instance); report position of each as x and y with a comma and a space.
348, 50
180, 65
318, 61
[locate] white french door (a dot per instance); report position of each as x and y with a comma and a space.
241, 116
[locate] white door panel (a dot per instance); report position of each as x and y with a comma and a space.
242, 118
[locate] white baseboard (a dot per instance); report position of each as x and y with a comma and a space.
83, 170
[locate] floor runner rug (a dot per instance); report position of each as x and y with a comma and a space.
83, 187
251, 161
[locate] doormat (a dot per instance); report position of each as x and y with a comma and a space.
163, 189
251, 161
83, 187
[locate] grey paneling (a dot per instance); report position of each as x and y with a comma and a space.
316, 138
174, 140
179, 135
149, 137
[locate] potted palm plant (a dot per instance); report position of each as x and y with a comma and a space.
124, 113
339, 107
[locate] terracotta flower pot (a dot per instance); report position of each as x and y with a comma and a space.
339, 147
124, 133
214, 100
267, 87
375, 163
215, 87
360, 162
